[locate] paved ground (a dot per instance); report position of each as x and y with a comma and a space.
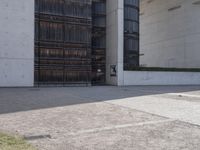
104, 118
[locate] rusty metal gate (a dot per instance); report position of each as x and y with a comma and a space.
63, 43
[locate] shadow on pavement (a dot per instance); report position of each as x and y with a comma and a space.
25, 99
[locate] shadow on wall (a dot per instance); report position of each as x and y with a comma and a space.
23, 99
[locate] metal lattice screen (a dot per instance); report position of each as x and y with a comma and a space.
69, 42
63, 41
99, 42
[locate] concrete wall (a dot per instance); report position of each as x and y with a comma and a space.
16, 43
114, 47
161, 78
170, 37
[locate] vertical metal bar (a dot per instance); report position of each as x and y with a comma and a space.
63, 12
39, 9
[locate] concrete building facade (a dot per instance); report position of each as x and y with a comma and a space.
169, 38
170, 33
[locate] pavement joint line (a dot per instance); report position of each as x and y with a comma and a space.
120, 127
136, 110
183, 94
168, 93
194, 124
155, 92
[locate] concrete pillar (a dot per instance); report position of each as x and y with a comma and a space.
115, 41
16, 43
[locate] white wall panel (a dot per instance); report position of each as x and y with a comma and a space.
16, 43
170, 38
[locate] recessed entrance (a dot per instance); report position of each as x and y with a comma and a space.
69, 42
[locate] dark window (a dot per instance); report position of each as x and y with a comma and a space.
131, 34
98, 41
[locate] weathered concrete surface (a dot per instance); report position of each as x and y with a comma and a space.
170, 33
182, 110
16, 43
104, 118
114, 40
160, 78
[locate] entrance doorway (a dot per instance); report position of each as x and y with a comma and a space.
69, 42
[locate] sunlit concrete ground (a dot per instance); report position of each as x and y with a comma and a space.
104, 118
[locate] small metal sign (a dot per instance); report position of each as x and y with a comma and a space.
113, 70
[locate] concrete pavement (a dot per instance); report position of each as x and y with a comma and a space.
104, 118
